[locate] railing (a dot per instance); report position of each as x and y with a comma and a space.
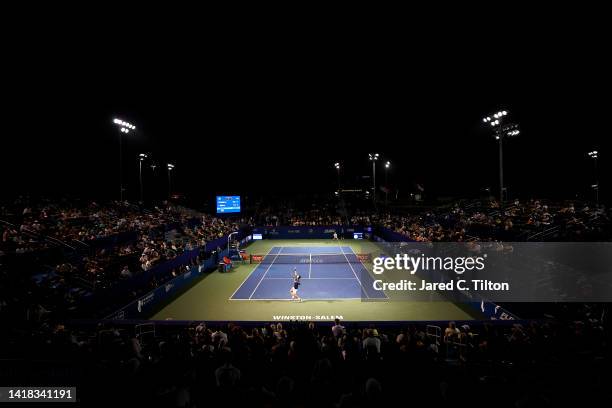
545, 233
37, 235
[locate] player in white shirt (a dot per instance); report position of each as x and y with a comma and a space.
294, 288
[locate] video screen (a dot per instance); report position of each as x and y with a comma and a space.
228, 204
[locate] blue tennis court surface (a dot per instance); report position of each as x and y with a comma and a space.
328, 273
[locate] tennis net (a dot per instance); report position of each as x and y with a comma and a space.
310, 258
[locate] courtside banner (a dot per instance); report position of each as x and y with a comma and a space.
318, 232
491, 271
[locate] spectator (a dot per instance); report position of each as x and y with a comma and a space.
125, 272
227, 376
371, 342
337, 329
451, 332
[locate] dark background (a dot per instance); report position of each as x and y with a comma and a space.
237, 121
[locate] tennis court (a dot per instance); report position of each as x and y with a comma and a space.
328, 273
222, 296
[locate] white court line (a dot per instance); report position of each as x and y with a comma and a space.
309, 274
310, 266
306, 300
249, 275
304, 254
368, 272
354, 273
264, 275
307, 278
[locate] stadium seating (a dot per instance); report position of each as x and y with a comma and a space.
321, 364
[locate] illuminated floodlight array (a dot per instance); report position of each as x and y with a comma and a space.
125, 126
495, 120
501, 132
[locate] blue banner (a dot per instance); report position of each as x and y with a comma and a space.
315, 232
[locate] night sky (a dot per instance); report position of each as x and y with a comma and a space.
246, 125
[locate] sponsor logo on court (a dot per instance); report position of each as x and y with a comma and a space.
307, 317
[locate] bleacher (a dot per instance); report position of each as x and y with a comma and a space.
539, 362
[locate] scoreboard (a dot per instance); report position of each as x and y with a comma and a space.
228, 204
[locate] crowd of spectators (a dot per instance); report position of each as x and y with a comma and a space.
295, 364
519, 221
162, 233
27, 227
67, 276
307, 213
291, 364
30, 225
461, 221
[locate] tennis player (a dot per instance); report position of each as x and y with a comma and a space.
294, 288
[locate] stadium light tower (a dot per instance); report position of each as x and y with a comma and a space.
595, 155
141, 158
387, 166
374, 159
124, 128
153, 166
501, 131
337, 167
170, 168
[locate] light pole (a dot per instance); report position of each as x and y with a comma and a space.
153, 166
337, 166
170, 168
502, 131
124, 127
141, 158
594, 155
374, 159
387, 165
